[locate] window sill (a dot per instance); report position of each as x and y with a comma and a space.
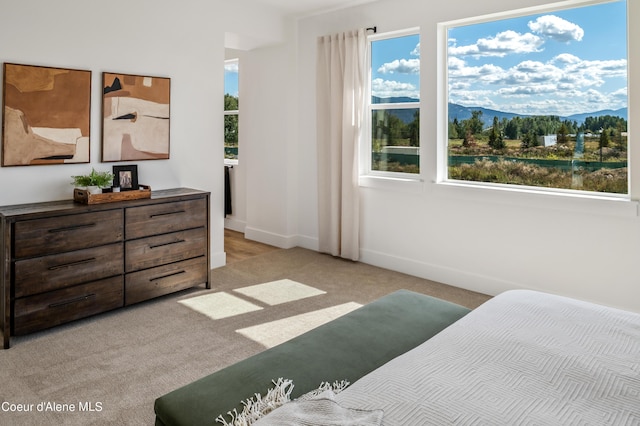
229, 162
608, 205
472, 192
402, 184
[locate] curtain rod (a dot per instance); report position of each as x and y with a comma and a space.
374, 29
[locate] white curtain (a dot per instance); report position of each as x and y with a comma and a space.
342, 70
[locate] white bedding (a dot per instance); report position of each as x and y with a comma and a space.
522, 358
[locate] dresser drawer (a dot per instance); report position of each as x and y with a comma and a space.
46, 273
166, 248
67, 233
57, 307
143, 285
156, 219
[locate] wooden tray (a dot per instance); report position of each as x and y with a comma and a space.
83, 196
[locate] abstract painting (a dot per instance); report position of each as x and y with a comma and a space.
46, 115
135, 117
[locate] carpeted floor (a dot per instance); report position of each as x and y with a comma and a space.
108, 369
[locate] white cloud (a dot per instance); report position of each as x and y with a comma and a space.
504, 43
487, 73
474, 98
556, 28
455, 63
533, 72
525, 90
595, 97
231, 66
390, 88
401, 66
611, 68
621, 94
559, 86
566, 58
416, 50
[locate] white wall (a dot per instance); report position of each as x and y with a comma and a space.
269, 122
484, 240
264, 182
181, 40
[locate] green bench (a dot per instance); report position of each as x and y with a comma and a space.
346, 348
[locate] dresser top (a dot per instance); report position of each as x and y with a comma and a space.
70, 206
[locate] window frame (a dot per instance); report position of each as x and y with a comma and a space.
442, 160
236, 112
368, 176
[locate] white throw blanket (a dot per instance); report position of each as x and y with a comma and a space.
321, 410
521, 358
315, 408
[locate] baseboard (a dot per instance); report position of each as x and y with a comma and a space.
309, 243
235, 224
273, 239
218, 259
463, 279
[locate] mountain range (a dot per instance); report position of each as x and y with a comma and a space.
463, 113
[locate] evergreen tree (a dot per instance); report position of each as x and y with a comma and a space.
604, 139
619, 130
414, 129
563, 134
453, 130
230, 102
475, 122
468, 139
495, 137
529, 140
512, 129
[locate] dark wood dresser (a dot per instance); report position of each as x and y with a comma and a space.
62, 261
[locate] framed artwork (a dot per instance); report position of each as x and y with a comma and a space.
135, 119
46, 115
126, 177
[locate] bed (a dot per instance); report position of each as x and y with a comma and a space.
523, 357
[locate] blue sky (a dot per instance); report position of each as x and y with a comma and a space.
559, 62
231, 77
395, 67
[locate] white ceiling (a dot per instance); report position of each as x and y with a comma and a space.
300, 8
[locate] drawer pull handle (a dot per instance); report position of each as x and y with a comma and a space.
168, 275
167, 213
70, 264
73, 228
71, 301
166, 244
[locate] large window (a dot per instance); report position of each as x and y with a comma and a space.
231, 108
395, 103
540, 99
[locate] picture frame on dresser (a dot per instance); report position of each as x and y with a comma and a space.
126, 177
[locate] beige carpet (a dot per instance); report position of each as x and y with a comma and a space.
280, 291
219, 305
116, 364
272, 333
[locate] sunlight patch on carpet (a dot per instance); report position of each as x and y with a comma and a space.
219, 305
281, 291
273, 333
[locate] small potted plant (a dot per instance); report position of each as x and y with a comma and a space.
94, 181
